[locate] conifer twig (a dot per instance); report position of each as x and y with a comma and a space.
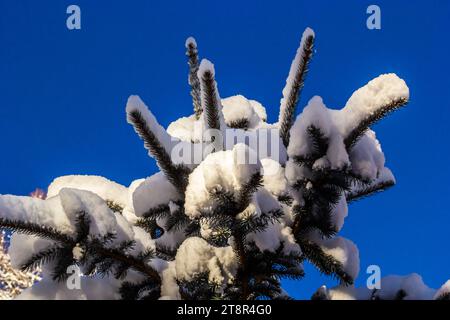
192, 54
294, 85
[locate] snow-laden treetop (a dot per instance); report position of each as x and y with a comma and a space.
239, 203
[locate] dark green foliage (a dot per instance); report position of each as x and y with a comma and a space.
324, 262
199, 289
192, 54
445, 296
114, 206
151, 227
286, 199
321, 192
210, 102
178, 220
369, 190
320, 294
165, 253
260, 279
145, 290
159, 220
98, 255
176, 174
29, 228
43, 257
239, 124
287, 117
248, 189
364, 125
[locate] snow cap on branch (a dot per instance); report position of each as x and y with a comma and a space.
369, 104
153, 192
190, 41
221, 171
210, 98
317, 115
135, 104
195, 256
344, 251
294, 84
106, 189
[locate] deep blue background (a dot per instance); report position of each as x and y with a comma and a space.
63, 94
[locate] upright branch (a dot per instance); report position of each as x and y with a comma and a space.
294, 84
156, 141
211, 104
194, 82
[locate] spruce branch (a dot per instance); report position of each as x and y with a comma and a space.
242, 276
445, 296
319, 141
35, 229
369, 190
145, 290
248, 189
320, 294
42, 257
239, 124
326, 263
194, 82
383, 111
294, 85
211, 104
63, 252
176, 174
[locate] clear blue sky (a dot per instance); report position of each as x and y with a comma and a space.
63, 94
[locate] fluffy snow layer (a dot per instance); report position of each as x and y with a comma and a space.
375, 95
234, 108
389, 287
90, 289
366, 156
43, 212
412, 284
169, 285
238, 108
344, 251
190, 41
187, 129
444, 289
60, 212
318, 115
153, 192
195, 256
221, 171
340, 212
274, 177
104, 188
